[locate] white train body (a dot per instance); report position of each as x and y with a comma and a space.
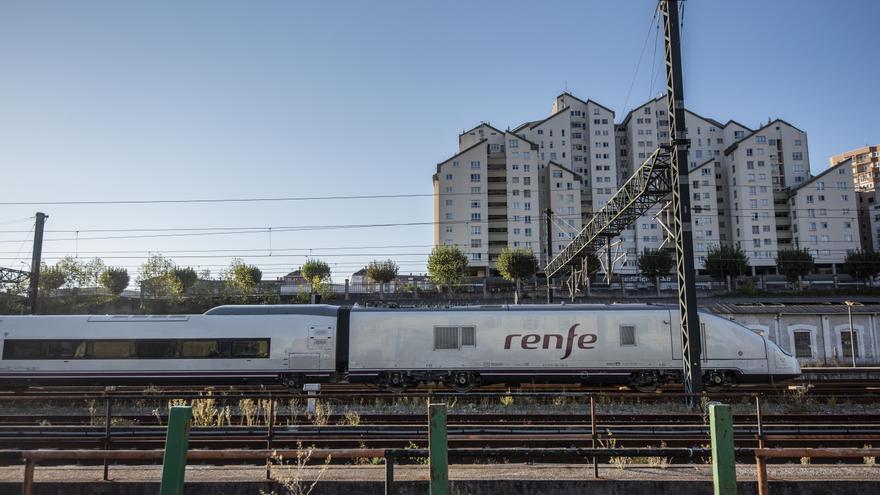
589, 343
633, 344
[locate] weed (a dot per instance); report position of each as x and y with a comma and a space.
248, 410
323, 410
805, 461
620, 462
204, 411
294, 470
507, 400
869, 461
93, 412
351, 418
294, 405
424, 461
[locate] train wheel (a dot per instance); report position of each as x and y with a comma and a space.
294, 385
644, 382
394, 382
463, 381
713, 381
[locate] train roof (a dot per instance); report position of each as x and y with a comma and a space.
327, 310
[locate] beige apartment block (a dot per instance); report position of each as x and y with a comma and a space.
823, 215
866, 166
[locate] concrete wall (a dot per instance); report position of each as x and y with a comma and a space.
827, 333
469, 487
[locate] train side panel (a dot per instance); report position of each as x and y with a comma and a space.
522, 345
256, 348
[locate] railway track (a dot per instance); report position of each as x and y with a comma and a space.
459, 435
342, 390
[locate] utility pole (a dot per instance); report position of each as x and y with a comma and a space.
36, 260
549, 214
692, 374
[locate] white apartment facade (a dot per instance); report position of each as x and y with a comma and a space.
763, 167
824, 216
748, 187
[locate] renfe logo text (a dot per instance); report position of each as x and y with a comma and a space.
532, 340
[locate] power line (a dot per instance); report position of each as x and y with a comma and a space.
227, 200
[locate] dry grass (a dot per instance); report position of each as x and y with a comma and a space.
290, 474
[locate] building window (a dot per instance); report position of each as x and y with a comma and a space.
475, 177
803, 345
847, 346
475, 164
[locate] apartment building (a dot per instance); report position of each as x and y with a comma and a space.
823, 215
644, 129
865, 163
866, 166
763, 167
749, 187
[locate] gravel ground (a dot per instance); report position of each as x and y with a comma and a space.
792, 472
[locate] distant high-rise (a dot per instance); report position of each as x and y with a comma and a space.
751, 188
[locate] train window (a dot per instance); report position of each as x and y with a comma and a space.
199, 349
627, 335
136, 349
23, 349
468, 337
109, 349
250, 348
66, 349
155, 349
445, 338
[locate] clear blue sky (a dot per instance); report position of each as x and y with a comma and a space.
153, 100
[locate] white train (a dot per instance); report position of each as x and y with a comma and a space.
638, 345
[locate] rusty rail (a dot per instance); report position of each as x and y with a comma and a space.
32, 457
762, 454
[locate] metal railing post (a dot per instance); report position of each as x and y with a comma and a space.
389, 475
761, 475
107, 423
27, 488
593, 435
760, 420
723, 456
270, 433
176, 443
438, 453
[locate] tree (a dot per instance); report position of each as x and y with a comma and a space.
447, 265
382, 272
861, 264
726, 261
243, 278
317, 273
794, 264
80, 273
187, 277
51, 278
655, 263
515, 265
115, 280
156, 279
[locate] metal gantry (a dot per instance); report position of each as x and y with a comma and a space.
665, 173
650, 184
12, 276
